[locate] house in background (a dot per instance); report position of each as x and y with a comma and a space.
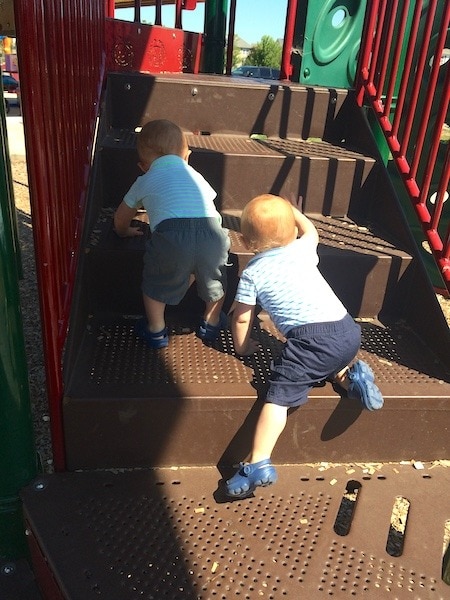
242, 50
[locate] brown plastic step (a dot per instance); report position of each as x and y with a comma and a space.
322, 531
222, 105
17, 580
363, 268
126, 405
329, 177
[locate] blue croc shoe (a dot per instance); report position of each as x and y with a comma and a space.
362, 387
249, 477
209, 333
153, 340
362, 369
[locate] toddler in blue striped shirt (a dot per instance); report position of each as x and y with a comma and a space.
187, 238
322, 339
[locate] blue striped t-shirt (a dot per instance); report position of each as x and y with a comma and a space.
172, 189
287, 283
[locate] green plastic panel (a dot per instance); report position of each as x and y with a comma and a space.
329, 36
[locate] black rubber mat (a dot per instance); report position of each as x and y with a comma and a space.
323, 531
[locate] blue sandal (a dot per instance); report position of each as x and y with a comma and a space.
209, 333
153, 340
249, 477
362, 386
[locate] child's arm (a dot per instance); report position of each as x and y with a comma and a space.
304, 225
122, 220
241, 327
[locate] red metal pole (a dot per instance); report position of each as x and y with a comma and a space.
396, 59
418, 79
178, 10
58, 138
386, 55
407, 68
426, 110
110, 8
291, 14
441, 192
367, 46
374, 66
435, 142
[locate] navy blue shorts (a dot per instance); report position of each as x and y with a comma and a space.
179, 248
312, 354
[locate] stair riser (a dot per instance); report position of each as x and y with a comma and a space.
363, 282
208, 431
327, 186
222, 106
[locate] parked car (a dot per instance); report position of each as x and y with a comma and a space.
258, 72
11, 90
10, 84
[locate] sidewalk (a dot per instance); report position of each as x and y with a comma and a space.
16, 140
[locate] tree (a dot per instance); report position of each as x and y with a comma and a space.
266, 53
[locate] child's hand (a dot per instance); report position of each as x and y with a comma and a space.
123, 217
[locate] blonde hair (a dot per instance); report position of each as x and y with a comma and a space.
268, 221
161, 137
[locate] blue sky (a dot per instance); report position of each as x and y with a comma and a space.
254, 18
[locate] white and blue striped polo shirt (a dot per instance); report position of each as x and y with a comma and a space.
287, 283
172, 189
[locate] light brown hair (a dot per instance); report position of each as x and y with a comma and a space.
268, 221
160, 137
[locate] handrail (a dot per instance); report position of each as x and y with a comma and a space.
420, 70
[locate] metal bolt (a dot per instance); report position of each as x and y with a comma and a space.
194, 91
39, 486
8, 569
271, 96
128, 86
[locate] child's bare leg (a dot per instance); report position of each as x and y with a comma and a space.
260, 471
270, 425
212, 311
155, 314
342, 379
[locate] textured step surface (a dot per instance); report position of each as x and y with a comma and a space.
320, 532
208, 399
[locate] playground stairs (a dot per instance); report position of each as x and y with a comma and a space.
150, 434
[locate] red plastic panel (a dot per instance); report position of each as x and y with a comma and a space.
60, 89
151, 48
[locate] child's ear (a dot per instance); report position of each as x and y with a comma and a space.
246, 243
